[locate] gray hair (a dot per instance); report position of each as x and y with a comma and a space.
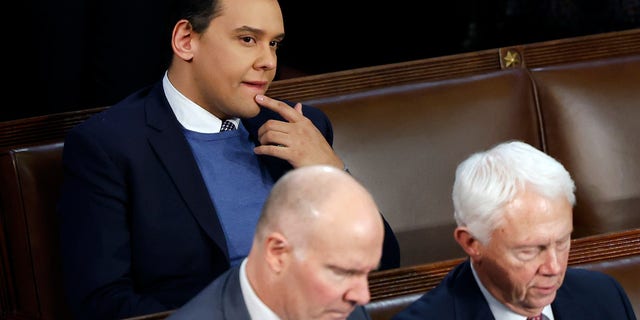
486, 181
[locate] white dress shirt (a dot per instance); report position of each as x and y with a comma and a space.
190, 115
257, 309
499, 310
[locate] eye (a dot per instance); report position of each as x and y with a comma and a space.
248, 39
564, 244
526, 254
275, 44
344, 273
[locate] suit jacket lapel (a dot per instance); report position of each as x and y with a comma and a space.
234, 306
168, 141
469, 301
565, 306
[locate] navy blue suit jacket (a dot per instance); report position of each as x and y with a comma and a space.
223, 300
584, 295
139, 232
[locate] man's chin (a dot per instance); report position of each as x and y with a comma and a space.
250, 112
543, 298
339, 315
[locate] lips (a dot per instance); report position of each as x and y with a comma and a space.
261, 85
546, 290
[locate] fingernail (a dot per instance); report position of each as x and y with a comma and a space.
260, 97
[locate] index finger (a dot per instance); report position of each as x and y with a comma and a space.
287, 112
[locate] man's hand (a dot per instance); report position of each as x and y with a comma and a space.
297, 140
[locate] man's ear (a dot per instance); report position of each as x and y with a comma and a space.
277, 251
467, 241
182, 40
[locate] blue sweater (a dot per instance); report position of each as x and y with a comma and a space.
237, 184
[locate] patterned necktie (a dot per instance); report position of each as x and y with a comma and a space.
538, 317
227, 125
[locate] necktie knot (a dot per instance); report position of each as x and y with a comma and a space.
538, 317
227, 125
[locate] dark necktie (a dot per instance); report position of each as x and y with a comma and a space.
227, 125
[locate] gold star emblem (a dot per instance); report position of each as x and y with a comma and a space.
512, 59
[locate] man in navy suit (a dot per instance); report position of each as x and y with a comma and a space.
157, 199
514, 207
317, 240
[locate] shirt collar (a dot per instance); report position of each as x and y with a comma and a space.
499, 310
190, 115
257, 308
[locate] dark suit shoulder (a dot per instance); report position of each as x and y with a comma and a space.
584, 281
439, 301
126, 112
123, 124
210, 303
456, 297
594, 294
359, 313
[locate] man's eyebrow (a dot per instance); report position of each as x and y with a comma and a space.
348, 270
257, 31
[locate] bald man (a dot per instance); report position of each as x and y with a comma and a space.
319, 236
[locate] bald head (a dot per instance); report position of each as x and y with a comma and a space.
319, 236
317, 197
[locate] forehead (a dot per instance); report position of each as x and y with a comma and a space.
532, 217
258, 14
347, 250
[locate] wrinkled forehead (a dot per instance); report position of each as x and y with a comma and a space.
533, 217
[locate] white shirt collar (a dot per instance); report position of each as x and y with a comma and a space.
257, 308
499, 310
189, 114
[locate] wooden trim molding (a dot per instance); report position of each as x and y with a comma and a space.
534, 55
41, 129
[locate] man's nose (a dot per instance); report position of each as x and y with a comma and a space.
359, 292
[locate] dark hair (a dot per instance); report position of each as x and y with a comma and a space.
199, 13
